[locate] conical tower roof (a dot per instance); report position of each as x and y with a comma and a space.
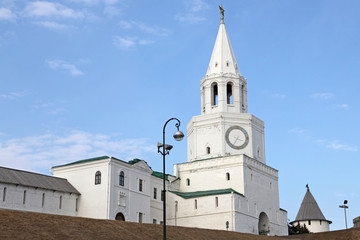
222, 58
309, 209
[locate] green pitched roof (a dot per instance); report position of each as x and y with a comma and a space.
83, 161
160, 175
136, 160
187, 195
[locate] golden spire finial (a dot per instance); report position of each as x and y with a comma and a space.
222, 13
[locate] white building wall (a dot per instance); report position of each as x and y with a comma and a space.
93, 202
205, 215
109, 198
314, 226
262, 192
14, 199
139, 200
156, 205
211, 174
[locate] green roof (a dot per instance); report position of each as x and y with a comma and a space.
84, 161
187, 195
136, 160
160, 175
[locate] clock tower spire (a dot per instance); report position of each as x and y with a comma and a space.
223, 89
224, 127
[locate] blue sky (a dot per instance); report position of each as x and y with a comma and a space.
85, 78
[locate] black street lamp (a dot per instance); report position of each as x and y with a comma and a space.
178, 136
344, 207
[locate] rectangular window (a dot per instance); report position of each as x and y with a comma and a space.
162, 195
76, 204
4, 194
155, 193
154, 221
195, 204
43, 200
60, 202
24, 197
140, 185
140, 217
176, 206
216, 201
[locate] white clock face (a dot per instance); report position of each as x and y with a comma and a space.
237, 137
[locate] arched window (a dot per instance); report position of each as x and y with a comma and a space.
208, 150
188, 181
242, 95
229, 93
214, 92
97, 178
122, 178
227, 176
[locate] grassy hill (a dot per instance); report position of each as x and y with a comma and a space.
26, 225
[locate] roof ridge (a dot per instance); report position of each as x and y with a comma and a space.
25, 171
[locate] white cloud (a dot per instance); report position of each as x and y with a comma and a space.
124, 43
12, 95
323, 96
154, 30
343, 106
145, 42
278, 95
130, 43
63, 65
50, 9
52, 25
192, 12
88, 2
297, 131
6, 14
337, 146
343, 147
40, 152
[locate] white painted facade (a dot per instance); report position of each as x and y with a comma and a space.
314, 226
109, 198
33, 199
226, 179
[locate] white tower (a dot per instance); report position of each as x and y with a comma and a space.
224, 127
226, 183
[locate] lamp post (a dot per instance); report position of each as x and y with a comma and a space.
344, 207
165, 149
